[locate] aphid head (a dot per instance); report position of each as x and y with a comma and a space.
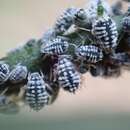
34, 75
61, 57
80, 15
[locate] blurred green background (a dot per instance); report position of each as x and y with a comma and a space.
100, 104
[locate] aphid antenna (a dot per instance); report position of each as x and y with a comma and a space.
41, 73
84, 29
29, 74
87, 30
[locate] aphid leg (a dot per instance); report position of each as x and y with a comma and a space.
4, 91
54, 73
85, 29
82, 67
42, 74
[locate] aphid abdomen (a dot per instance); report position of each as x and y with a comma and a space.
57, 46
89, 53
18, 74
68, 77
36, 94
105, 31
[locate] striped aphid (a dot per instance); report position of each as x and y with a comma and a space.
89, 53
68, 76
18, 74
4, 72
57, 46
36, 92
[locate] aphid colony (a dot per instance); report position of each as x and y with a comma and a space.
92, 43
36, 94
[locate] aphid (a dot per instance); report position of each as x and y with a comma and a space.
97, 70
64, 22
81, 19
57, 46
89, 53
105, 30
4, 72
36, 94
18, 74
68, 77
126, 24
48, 35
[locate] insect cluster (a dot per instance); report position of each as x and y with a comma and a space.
81, 40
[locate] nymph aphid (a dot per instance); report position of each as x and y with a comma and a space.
81, 19
126, 24
57, 46
4, 72
64, 22
97, 70
36, 93
105, 31
18, 74
89, 53
68, 77
48, 35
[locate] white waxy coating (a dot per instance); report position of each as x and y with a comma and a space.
68, 77
18, 74
36, 94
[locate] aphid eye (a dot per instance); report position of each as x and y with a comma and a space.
18, 74
36, 92
4, 72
